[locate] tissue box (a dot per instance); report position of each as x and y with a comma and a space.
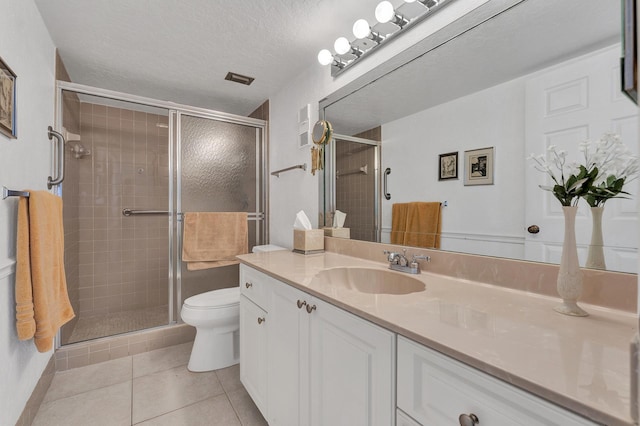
308, 240
337, 232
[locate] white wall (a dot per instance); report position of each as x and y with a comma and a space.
296, 190
25, 45
490, 118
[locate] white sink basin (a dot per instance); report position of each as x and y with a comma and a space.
369, 280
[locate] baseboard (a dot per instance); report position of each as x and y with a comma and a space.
37, 396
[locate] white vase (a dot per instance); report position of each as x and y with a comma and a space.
595, 258
570, 275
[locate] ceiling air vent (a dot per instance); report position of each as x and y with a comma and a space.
242, 79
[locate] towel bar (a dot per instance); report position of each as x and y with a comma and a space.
11, 193
299, 166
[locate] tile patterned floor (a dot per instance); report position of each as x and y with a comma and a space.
118, 323
153, 389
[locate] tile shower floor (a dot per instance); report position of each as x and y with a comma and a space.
118, 323
152, 388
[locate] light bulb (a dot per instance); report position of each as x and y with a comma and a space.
342, 45
384, 12
325, 57
361, 29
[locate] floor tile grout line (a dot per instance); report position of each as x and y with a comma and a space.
87, 390
233, 407
188, 405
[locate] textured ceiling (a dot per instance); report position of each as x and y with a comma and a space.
181, 50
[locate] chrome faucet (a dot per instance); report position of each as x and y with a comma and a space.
399, 262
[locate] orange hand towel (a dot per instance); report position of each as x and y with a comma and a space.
398, 222
423, 225
42, 301
211, 240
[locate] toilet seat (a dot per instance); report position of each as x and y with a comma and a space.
215, 299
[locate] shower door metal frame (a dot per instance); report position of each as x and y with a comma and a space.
261, 181
175, 110
329, 196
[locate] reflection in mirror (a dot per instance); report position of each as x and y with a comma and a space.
539, 73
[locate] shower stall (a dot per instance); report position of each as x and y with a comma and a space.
352, 183
133, 167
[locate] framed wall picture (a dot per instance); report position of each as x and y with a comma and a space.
478, 166
7, 100
448, 166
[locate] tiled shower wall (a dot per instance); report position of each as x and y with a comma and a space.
355, 194
123, 261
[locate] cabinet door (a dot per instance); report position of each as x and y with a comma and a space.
352, 373
288, 355
436, 390
253, 348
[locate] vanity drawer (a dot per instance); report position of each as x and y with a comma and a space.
435, 390
254, 285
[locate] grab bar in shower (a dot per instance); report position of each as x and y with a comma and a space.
60, 168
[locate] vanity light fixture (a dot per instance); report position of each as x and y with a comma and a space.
386, 13
361, 30
391, 22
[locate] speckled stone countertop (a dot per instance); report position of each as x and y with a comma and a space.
582, 364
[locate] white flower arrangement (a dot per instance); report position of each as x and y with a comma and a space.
574, 180
616, 166
608, 166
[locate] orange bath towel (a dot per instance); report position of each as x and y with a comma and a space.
42, 301
398, 222
211, 240
424, 225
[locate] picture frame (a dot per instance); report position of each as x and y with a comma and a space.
448, 166
629, 61
478, 166
7, 100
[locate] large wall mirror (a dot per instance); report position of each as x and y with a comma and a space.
509, 79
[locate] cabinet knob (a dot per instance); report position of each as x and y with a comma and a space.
248, 284
301, 303
468, 420
533, 229
261, 320
311, 308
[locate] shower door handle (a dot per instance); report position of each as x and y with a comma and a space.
131, 212
60, 168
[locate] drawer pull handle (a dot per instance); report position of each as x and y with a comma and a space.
311, 308
248, 285
468, 420
301, 303
261, 320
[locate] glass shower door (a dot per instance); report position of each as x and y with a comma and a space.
220, 169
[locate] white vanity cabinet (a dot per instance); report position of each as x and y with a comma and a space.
254, 323
338, 367
434, 389
324, 366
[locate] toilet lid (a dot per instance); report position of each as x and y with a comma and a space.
215, 299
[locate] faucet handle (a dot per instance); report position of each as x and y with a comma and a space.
417, 257
391, 256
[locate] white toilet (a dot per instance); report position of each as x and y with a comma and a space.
216, 317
